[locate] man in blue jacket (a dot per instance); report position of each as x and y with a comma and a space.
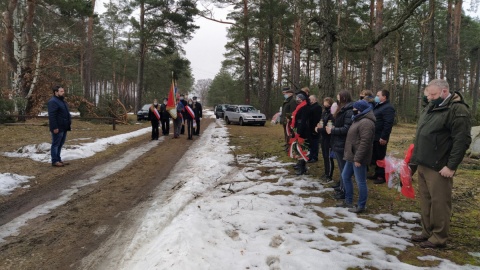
385, 116
60, 121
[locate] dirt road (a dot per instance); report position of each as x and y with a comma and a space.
89, 200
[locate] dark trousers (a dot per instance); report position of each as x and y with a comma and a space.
197, 129
177, 126
314, 147
165, 126
327, 160
341, 165
379, 153
435, 192
182, 129
189, 124
57, 143
285, 133
155, 132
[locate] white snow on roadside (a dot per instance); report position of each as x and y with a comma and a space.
257, 217
90, 177
41, 152
10, 181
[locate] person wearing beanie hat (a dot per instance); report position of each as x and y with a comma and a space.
362, 107
301, 97
357, 154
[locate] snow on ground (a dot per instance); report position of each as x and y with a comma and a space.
91, 176
223, 216
256, 216
10, 181
41, 152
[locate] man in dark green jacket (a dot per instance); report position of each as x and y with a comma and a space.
442, 138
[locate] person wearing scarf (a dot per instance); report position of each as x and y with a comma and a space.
301, 133
357, 154
154, 117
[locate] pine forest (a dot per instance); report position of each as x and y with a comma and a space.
123, 56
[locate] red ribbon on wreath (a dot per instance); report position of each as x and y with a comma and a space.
296, 148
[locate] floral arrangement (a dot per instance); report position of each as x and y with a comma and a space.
398, 174
298, 148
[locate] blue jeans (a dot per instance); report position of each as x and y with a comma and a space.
57, 142
361, 177
341, 164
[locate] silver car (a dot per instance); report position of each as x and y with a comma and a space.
244, 114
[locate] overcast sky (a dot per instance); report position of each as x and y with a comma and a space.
205, 51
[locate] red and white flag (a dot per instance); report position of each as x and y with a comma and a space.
171, 104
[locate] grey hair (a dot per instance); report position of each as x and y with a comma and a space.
440, 83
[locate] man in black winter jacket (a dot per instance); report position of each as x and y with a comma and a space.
165, 117
197, 109
385, 116
315, 116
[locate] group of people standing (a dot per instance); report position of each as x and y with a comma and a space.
189, 114
356, 135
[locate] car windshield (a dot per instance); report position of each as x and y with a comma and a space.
145, 107
248, 109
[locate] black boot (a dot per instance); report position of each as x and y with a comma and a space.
302, 168
296, 166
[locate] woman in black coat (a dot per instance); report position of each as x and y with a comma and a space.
343, 121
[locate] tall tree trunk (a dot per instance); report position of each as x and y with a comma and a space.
297, 32
88, 58
270, 53
419, 83
326, 84
337, 57
261, 64
246, 82
370, 52
476, 87
141, 61
456, 43
431, 42
280, 56
378, 57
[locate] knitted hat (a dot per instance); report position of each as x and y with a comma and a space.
361, 105
287, 90
301, 97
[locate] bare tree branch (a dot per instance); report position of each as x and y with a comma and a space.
401, 21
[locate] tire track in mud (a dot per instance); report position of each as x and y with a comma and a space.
76, 228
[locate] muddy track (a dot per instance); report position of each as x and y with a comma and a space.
70, 232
